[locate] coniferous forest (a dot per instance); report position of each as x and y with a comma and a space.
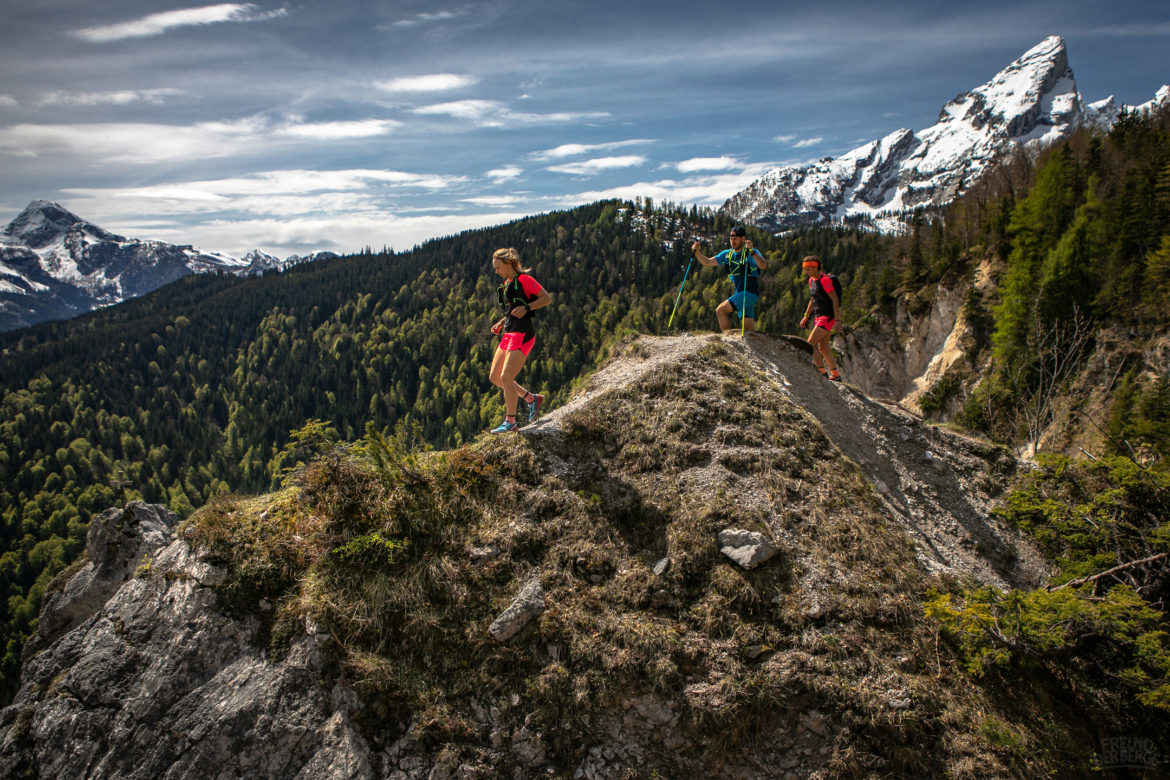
192, 391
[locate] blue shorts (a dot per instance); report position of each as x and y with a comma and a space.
746, 302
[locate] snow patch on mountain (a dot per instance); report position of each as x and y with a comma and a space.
54, 264
1030, 104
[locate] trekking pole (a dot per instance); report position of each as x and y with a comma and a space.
743, 308
680, 289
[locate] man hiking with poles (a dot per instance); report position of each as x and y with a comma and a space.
825, 307
744, 264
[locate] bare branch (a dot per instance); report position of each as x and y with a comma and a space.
1057, 352
1108, 572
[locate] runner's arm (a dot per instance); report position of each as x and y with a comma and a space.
758, 258
702, 258
807, 313
542, 299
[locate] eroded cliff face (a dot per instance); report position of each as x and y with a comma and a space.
901, 356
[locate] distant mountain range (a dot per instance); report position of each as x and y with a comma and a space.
55, 265
1030, 104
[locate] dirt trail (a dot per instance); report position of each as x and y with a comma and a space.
936, 484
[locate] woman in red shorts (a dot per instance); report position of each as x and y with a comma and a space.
519, 296
825, 307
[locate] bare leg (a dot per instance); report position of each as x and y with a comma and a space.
723, 314
819, 338
505, 367
497, 370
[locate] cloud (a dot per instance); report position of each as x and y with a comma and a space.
110, 143
271, 183
710, 190
507, 173
335, 131
122, 97
425, 18
493, 113
7, 101
572, 150
788, 138
491, 200
343, 230
157, 24
435, 82
708, 164
1140, 30
300, 210
591, 167
119, 142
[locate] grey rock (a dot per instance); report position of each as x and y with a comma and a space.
747, 548
481, 555
661, 567
528, 748
654, 710
815, 722
155, 681
118, 542
529, 604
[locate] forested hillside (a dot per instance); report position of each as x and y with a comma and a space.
1079, 243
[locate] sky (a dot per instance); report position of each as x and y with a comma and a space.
336, 125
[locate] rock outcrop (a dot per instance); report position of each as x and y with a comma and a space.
140, 675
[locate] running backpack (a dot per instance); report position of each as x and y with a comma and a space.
511, 294
837, 287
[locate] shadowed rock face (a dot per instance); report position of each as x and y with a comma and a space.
119, 540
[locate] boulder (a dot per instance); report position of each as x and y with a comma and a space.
747, 548
529, 604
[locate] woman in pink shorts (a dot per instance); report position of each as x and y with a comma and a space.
824, 306
519, 295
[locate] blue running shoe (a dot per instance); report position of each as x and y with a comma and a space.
504, 427
534, 406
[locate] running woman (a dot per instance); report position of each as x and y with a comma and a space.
825, 307
519, 295
743, 264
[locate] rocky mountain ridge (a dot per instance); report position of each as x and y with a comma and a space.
1031, 103
762, 491
54, 265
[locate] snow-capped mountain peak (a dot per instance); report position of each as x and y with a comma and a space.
54, 264
41, 224
1029, 104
